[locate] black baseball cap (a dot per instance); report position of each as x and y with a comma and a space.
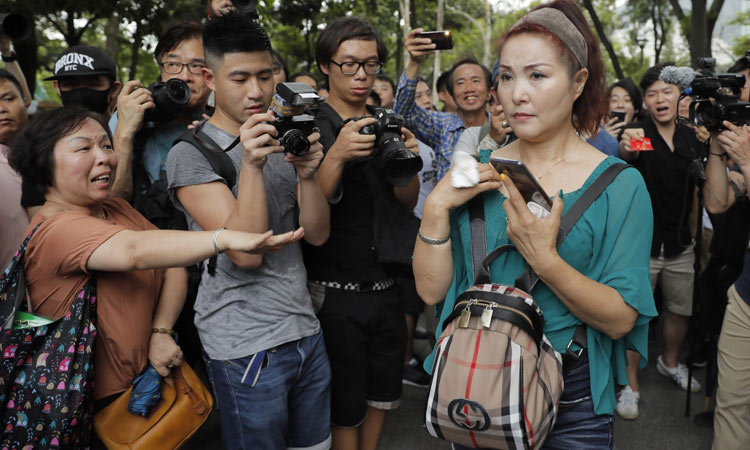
83, 60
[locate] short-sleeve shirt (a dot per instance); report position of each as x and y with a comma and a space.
610, 244
239, 312
670, 185
55, 264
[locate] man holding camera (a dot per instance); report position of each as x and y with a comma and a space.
261, 340
721, 192
468, 84
664, 153
179, 55
362, 313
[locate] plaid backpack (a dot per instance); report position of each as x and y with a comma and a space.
46, 367
496, 380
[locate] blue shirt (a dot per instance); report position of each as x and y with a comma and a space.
605, 143
610, 244
439, 130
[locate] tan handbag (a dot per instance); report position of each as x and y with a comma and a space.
184, 406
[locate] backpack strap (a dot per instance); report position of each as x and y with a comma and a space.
478, 239
220, 162
528, 279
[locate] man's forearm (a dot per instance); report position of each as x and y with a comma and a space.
314, 212
717, 190
412, 69
123, 143
250, 211
329, 176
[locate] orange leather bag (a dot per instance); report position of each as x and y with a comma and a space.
184, 406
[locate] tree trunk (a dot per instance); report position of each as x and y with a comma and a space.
487, 34
404, 8
700, 41
436, 62
28, 58
112, 31
135, 47
603, 37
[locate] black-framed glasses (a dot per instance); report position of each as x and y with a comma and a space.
174, 67
352, 67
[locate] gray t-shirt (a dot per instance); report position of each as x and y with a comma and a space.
239, 312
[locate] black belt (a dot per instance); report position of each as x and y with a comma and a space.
359, 286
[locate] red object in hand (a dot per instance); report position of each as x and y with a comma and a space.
641, 145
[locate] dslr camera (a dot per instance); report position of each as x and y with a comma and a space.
390, 153
291, 122
717, 97
169, 98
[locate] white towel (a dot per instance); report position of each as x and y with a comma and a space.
465, 170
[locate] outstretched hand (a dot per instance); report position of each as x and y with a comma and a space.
535, 238
255, 243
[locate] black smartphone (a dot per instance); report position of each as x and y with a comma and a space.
441, 39
525, 182
619, 114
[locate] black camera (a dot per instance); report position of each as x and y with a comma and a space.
246, 7
391, 154
291, 122
169, 98
15, 26
716, 98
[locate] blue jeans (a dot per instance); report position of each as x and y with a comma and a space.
577, 426
289, 407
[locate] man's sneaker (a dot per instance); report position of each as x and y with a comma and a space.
627, 403
679, 374
414, 375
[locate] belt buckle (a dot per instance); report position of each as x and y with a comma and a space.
575, 355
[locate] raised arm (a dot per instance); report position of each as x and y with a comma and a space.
212, 205
14, 68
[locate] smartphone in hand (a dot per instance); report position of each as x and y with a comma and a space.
441, 39
525, 182
619, 114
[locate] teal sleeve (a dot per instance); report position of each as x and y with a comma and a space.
621, 260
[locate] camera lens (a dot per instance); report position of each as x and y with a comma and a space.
397, 160
295, 142
177, 91
708, 114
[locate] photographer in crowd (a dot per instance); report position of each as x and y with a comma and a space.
671, 185
143, 130
731, 416
362, 312
468, 84
261, 340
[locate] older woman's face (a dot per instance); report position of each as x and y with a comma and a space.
535, 87
84, 165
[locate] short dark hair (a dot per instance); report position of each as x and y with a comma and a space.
345, 29
464, 61
294, 76
741, 64
176, 35
636, 98
277, 58
442, 81
383, 77
7, 76
652, 75
32, 153
233, 32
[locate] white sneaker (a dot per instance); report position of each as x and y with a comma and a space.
627, 403
679, 374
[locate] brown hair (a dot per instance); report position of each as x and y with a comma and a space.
591, 107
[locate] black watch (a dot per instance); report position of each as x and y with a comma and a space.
11, 58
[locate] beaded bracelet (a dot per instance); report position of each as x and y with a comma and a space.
432, 241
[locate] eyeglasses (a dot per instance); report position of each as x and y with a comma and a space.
175, 67
352, 67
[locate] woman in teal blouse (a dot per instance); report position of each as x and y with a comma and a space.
552, 87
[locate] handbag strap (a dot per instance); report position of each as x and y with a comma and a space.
528, 279
198, 406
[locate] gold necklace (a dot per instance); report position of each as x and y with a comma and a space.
557, 163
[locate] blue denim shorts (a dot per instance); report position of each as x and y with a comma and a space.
577, 425
289, 406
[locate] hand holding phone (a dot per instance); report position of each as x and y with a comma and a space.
530, 189
619, 114
441, 39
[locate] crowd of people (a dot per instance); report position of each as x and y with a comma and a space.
268, 264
